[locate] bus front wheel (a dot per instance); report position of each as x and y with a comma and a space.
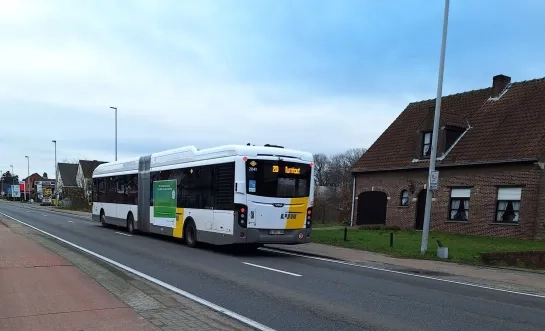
190, 234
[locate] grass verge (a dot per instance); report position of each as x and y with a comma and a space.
87, 209
326, 225
462, 248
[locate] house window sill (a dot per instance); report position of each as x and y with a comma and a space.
457, 222
504, 224
402, 206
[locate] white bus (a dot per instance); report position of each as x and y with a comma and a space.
233, 194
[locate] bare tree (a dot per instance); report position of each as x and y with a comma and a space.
334, 182
340, 166
321, 161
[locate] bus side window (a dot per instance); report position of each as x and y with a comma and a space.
101, 193
134, 190
177, 174
94, 192
153, 177
191, 187
206, 185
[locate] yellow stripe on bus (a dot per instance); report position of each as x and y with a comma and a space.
177, 232
298, 206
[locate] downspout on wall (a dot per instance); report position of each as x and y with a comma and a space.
353, 200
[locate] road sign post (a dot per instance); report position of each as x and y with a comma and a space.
434, 180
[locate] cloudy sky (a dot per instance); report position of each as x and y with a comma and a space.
315, 75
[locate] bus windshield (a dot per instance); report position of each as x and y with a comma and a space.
279, 179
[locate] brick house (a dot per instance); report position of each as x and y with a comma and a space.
31, 188
66, 178
490, 156
31, 182
84, 175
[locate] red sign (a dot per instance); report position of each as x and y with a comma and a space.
22, 186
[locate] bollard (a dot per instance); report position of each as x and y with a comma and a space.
345, 233
391, 239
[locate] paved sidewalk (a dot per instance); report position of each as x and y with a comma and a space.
47, 286
42, 291
509, 279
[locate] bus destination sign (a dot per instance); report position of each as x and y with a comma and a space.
286, 170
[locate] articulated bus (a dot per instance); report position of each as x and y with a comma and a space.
235, 194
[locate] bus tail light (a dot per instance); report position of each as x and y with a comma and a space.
308, 221
241, 215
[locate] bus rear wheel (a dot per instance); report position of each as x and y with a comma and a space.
103, 220
190, 234
130, 224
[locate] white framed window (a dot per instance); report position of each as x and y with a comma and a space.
426, 144
459, 204
508, 205
404, 198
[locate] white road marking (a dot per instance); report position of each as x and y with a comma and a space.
44, 214
70, 221
271, 269
188, 295
124, 234
405, 273
35, 208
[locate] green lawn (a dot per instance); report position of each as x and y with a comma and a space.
325, 225
86, 209
462, 248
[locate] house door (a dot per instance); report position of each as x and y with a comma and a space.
372, 208
420, 208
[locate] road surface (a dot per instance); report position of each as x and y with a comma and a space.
287, 292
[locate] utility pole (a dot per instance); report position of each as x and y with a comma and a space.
27, 178
12, 180
56, 170
433, 156
115, 108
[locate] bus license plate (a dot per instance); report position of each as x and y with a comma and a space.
276, 232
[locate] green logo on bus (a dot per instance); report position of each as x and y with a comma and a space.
164, 199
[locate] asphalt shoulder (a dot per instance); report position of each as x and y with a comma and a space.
509, 279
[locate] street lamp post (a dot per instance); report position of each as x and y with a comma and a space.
28, 177
433, 156
56, 170
12, 180
115, 108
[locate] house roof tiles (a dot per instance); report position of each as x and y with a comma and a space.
68, 173
510, 128
87, 167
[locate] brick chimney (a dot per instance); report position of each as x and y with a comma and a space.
499, 82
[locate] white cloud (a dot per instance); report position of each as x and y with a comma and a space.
62, 66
